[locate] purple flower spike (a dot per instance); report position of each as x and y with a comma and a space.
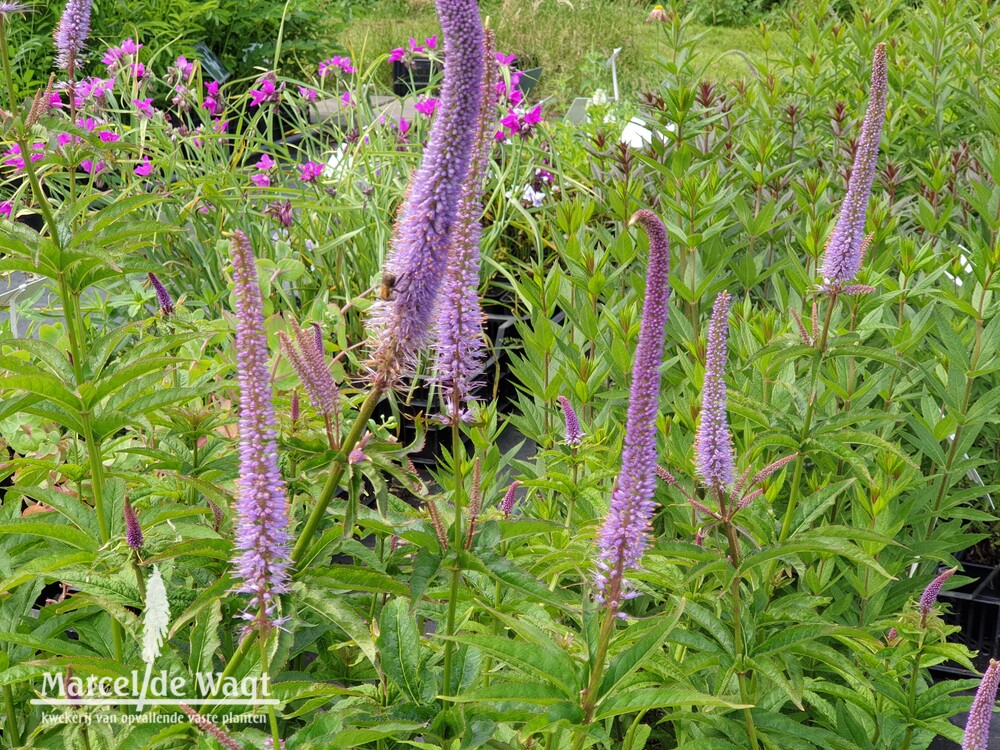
261, 506
71, 33
133, 531
713, 448
162, 295
507, 504
460, 338
417, 262
574, 435
306, 356
977, 728
845, 249
624, 533
930, 595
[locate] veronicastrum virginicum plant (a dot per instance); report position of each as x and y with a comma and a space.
765, 593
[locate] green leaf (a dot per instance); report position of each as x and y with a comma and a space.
357, 578
647, 699
550, 664
632, 658
64, 534
513, 577
204, 641
399, 648
340, 614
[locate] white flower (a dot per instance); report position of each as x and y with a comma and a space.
156, 619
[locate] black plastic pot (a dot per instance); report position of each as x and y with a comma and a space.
409, 79
975, 608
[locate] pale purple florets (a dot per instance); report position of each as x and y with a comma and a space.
305, 352
845, 249
419, 257
977, 727
624, 533
71, 33
459, 354
574, 435
713, 448
507, 504
261, 505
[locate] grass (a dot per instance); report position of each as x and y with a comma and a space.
571, 44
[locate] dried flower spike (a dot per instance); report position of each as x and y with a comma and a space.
713, 444
261, 506
622, 539
846, 246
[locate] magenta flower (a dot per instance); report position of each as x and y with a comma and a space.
930, 595
71, 33
91, 167
460, 337
396, 55
977, 727
144, 168
714, 445
307, 93
845, 248
128, 49
574, 435
108, 136
426, 105
505, 60
267, 92
133, 531
16, 160
265, 162
346, 99
163, 297
623, 536
261, 180
404, 125
337, 64
6, 209
431, 42
533, 116
310, 171
144, 106
261, 534
418, 259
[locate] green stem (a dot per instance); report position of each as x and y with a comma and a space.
457, 457
336, 473
10, 729
793, 498
596, 673
271, 716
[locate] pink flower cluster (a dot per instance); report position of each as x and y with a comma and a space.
126, 53
407, 55
427, 105
519, 122
268, 90
264, 165
336, 65
93, 90
14, 157
212, 101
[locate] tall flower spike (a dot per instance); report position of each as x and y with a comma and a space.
71, 33
262, 506
574, 435
977, 728
507, 504
713, 448
162, 295
930, 594
845, 248
401, 325
623, 536
460, 338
